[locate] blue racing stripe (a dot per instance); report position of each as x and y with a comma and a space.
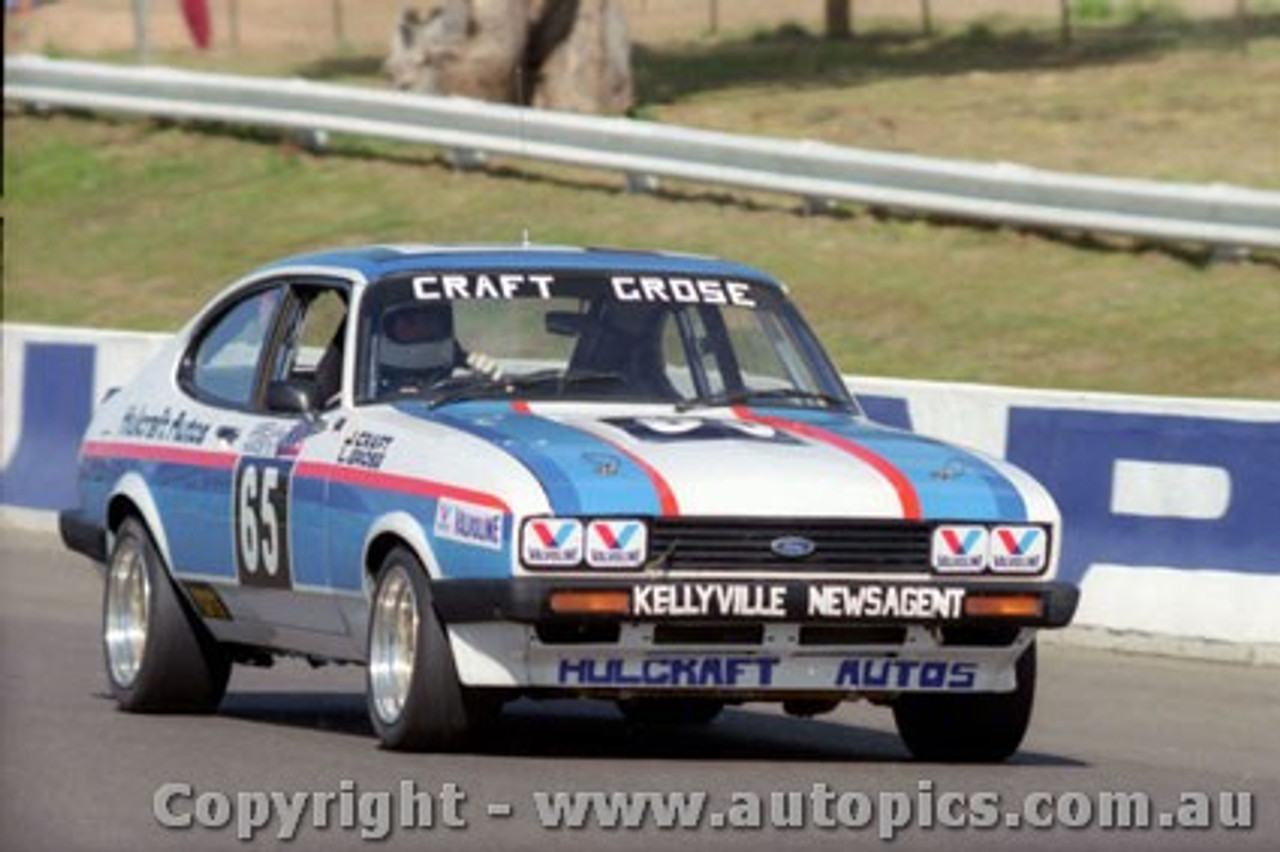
491, 425
951, 483
580, 473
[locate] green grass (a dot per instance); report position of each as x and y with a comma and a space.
1175, 101
134, 224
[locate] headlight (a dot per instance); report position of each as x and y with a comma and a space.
551, 542
617, 543
603, 543
1019, 550
960, 549
1005, 549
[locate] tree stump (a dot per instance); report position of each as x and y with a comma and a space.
555, 54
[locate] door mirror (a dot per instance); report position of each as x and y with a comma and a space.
290, 397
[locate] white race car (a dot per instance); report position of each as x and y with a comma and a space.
493, 472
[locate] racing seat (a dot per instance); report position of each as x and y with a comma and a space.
634, 353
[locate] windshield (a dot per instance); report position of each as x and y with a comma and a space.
672, 339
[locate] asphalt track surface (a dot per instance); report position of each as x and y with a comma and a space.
77, 774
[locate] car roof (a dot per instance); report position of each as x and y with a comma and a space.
377, 261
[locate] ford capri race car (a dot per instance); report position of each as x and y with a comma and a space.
488, 473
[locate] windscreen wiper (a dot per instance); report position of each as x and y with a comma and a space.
746, 397
559, 380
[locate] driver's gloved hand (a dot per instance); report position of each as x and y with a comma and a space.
485, 365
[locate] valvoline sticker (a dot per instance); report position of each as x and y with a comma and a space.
617, 543
960, 549
1019, 550
551, 542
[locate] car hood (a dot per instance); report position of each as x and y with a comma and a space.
596, 459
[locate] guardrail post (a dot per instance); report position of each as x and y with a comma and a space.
813, 205
642, 184
467, 159
311, 141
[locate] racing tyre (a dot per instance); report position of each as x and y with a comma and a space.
159, 657
415, 700
980, 728
671, 711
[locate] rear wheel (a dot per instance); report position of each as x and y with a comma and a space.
979, 728
159, 657
671, 711
415, 700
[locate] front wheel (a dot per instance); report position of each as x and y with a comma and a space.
415, 700
980, 728
159, 657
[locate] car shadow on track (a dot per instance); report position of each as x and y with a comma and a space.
596, 730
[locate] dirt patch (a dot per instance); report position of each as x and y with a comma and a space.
312, 26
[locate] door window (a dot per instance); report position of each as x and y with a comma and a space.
311, 347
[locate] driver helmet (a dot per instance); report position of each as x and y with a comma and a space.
417, 336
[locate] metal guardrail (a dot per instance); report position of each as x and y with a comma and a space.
1216, 215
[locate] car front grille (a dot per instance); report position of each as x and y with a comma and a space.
729, 544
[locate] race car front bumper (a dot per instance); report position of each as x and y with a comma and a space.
756, 639
545, 601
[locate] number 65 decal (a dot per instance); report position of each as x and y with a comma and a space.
262, 522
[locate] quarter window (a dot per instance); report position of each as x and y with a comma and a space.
224, 365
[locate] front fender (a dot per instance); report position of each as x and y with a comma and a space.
133, 487
405, 527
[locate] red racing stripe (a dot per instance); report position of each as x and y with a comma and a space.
666, 497
906, 491
393, 482
159, 453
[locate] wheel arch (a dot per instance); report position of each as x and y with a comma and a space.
132, 497
396, 529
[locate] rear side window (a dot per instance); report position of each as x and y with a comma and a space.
224, 363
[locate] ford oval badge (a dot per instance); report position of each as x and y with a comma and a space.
792, 546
